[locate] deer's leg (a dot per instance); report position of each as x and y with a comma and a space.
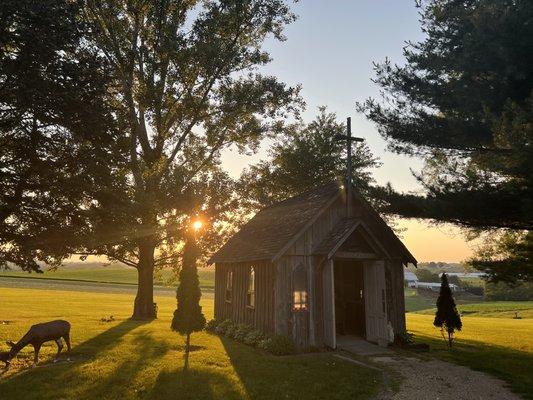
36, 349
59, 343
67, 341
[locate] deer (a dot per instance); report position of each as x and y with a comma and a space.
38, 334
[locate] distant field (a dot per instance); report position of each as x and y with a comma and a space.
131, 360
112, 274
415, 301
493, 309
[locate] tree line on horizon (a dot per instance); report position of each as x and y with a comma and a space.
114, 114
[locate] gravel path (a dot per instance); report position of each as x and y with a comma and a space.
439, 380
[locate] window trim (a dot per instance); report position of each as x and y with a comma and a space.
250, 288
299, 289
228, 292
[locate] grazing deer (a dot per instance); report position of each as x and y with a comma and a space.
41, 333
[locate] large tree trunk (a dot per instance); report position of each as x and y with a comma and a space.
144, 301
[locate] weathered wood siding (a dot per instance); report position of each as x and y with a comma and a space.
261, 316
375, 302
395, 295
294, 324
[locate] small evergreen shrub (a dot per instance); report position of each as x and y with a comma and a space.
279, 345
211, 325
223, 326
253, 338
447, 317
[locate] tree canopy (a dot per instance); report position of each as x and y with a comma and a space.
56, 138
464, 102
304, 156
181, 83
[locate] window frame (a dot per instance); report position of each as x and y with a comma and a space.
228, 293
250, 288
299, 289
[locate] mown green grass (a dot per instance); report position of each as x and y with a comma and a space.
132, 360
493, 309
112, 274
499, 346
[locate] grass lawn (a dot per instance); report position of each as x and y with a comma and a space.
133, 360
493, 309
111, 274
500, 346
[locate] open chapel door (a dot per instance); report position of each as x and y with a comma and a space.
376, 302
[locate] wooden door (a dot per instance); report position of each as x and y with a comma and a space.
376, 302
329, 305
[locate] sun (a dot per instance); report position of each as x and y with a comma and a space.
197, 225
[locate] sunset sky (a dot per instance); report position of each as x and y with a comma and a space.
329, 51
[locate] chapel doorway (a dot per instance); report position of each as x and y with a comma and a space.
349, 298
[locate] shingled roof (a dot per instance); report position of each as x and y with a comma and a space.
265, 235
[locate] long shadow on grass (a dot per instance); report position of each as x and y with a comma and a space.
49, 378
514, 367
195, 384
313, 376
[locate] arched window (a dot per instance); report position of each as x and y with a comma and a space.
229, 285
250, 297
299, 289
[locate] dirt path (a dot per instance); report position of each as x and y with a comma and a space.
439, 380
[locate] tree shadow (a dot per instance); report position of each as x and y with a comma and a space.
81, 355
194, 384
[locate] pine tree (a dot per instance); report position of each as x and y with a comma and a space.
188, 316
447, 317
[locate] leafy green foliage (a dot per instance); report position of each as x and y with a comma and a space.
211, 325
425, 275
161, 88
447, 317
464, 101
223, 326
278, 345
305, 156
56, 132
503, 292
253, 338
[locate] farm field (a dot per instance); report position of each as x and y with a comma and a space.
132, 360
491, 341
111, 274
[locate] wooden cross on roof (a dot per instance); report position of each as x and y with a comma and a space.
349, 140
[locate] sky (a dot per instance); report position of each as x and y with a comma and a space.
329, 51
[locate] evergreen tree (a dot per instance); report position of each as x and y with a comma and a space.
188, 316
447, 317
464, 102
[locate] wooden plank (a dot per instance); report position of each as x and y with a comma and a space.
330, 339
375, 302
